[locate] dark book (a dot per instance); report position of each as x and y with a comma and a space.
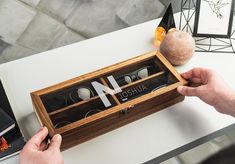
13, 136
6, 122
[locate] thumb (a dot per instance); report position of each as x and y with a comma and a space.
55, 143
187, 91
37, 139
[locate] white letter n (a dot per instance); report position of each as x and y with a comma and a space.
100, 89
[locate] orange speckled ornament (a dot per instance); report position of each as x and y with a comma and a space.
178, 47
160, 34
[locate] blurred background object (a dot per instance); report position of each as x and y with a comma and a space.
40, 25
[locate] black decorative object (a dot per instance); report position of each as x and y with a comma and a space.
168, 21
205, 43
166, 25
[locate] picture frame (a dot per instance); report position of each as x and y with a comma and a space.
213, 18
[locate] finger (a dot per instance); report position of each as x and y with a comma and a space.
43, 146
194, 85
187, 91
37, 139
55, 143
193, 73
196, 80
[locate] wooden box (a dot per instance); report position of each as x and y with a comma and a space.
74, 109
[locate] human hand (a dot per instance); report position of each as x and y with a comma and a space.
211, 89
37, 152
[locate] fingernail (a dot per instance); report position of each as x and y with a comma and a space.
179, 89
57, 136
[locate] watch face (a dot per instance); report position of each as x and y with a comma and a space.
61, 124
91, 112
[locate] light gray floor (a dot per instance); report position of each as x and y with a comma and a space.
32, 26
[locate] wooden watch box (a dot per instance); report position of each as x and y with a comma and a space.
143, 85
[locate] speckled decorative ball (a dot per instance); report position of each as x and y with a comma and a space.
178, 47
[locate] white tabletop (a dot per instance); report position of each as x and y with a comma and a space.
136, 142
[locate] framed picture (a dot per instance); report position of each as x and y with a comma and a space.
213, 18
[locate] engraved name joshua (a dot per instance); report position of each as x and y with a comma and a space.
102, 89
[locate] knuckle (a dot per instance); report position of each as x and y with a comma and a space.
192, 92
185, 91
213, 89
